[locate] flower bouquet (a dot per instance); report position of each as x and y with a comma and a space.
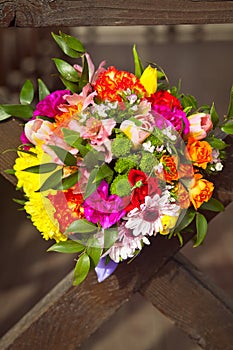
114, 159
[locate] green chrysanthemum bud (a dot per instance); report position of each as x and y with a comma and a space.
121, 146
121, 186
123, 165
147, 163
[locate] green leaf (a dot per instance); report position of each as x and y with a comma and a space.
137, 63
43, 90
27, 93
189, 101
91, 185
103, 173
69, 181
66, 70
19, 201
42, 168
73, 42
94, 251
110, 237
62, 43
228, 128
3, 114
180, 238
84, 79
73, 87
68, 247
10, 171
214, 115
213, 205
216, 143
81, 269
19, 111
81, 226
91, 159
202, 226
52, 181
73, 139
186, 221
66, 157
230, 107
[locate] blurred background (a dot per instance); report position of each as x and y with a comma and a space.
202, 57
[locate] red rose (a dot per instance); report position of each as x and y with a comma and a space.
164, 98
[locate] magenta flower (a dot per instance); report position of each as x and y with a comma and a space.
176, 117
48, 107
101, 208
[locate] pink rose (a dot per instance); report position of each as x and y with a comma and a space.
200, 124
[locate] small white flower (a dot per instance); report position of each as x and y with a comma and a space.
148, 147
159, 148
218, 166
158, 168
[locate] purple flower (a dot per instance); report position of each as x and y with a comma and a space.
48, 106
176, 117
102, 208
104, 270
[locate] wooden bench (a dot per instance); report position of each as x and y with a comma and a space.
166, 279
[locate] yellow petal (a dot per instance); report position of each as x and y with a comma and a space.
149, 80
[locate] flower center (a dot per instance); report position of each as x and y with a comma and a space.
151, 215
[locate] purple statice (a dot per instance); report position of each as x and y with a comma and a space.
48, 107
176, 117
102, 208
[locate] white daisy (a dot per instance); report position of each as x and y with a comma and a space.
147, 219
126, 244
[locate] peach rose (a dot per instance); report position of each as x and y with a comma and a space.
200, 124
200, 152
201, 191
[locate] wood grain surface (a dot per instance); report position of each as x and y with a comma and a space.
63, 13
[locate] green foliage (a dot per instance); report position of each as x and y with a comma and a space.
68, 247
66, 157
202, 226
214, 115
71, 46
137, 63
228, 127
213, 205
43, 90
26, 93
216, 143
52, 181
19, 111
42, 168
81, 269
189, 101
81, 226
230, 107
66, 70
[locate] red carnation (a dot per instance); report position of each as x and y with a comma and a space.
164, 98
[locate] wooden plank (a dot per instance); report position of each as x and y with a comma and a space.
193, 303
81, 310
34, 13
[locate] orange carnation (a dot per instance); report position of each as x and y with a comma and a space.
112, 82
169, 168
201, 191
200, 152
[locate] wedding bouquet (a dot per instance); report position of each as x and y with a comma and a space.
114, 159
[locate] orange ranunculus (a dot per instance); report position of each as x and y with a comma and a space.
182, 196
201, 191
200, 152
170, 167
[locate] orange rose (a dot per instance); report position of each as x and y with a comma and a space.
169, 168
201, 191
182, 196
200, 152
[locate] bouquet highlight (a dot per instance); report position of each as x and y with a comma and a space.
114, 159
